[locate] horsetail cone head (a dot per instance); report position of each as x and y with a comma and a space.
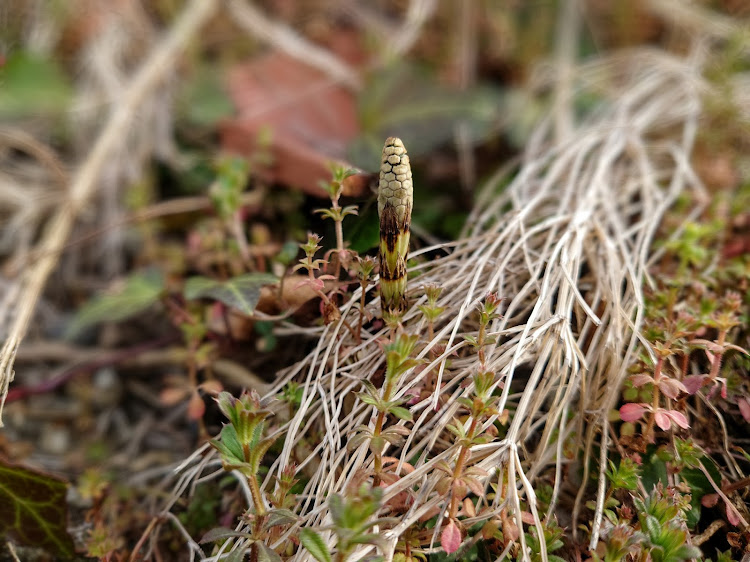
395, 194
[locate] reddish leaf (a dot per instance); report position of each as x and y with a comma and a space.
196, 407
710, 500
314, 284
474, 485
678, 418
732, 516
469, 508
33, 509
632, 412
450, 538
662, 420
311, 120
212, 387
527, 517
744, 404
173, 395
693, 383
672, 387
640, 380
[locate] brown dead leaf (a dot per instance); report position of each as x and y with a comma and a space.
311, 119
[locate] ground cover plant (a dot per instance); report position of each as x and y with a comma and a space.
508, 322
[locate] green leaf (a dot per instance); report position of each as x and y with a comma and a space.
237, 555
140, 291
401, 413
370, 388
266, 554
314, 544
203, 101
242, 292
32, 86
258, 451
363, 233
336, 507
229, 446
367, 399
424, 116
653, 527
33, 509
281, 517
220, 533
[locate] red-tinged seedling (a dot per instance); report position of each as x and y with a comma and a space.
353, 517
398, 362
242, 446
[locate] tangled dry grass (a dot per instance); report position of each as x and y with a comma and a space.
567, 244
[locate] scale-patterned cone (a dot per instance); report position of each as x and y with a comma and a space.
394, 208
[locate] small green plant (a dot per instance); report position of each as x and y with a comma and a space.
337, 213
488, 311
431, 310
364, 268
242, 446
620, 541
232, 174
552, 539
460, 479
199, 354
663, 525
398, 362
352, 520
311, 265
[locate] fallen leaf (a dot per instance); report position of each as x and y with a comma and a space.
33, 509
310, 118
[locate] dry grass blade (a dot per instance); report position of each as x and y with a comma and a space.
30, 284
567, 245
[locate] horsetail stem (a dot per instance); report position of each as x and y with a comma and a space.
394, 209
